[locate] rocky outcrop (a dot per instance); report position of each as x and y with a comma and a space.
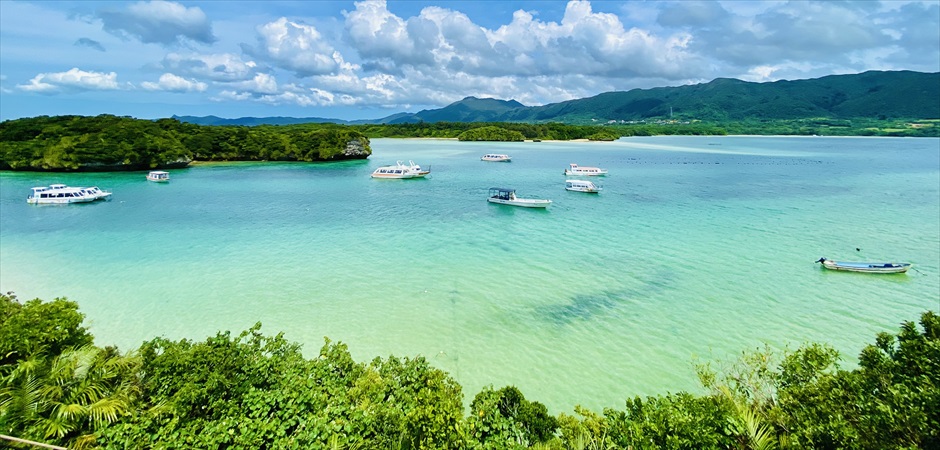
357, 149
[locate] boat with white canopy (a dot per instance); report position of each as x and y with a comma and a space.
159, 176
507, 196
576, 170
496, 157
401, 171
62, 194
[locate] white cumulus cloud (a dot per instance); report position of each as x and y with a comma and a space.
294, 47
174, 83
73, 79
262, 83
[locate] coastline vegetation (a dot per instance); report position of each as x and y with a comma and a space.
112, 143
259, 391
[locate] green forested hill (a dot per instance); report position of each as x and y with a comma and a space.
469, 109
875, 95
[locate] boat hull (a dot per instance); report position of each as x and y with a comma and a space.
579, 173
399, 176
60, 201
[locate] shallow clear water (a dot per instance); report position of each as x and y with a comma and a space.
698, 247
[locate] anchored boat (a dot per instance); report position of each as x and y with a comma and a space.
581, 186
576, 170
506, 196
159, 176
866, 267
62, 194
400, 171
496, 157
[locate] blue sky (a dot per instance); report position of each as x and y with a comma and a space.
372, 58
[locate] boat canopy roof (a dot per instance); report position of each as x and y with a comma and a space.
500, 189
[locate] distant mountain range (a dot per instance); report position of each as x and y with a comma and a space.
873, 94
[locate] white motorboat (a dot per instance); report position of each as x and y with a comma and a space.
159, 176
496, 157
506, 196
401, 170
582, 186
62, 194
574, 169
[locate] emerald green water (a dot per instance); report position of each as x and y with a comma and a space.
698, 247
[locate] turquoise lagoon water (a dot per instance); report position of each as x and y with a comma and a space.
697, 249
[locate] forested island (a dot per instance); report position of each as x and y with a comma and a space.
112, 143
259, 391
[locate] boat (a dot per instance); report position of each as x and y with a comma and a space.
62, 194
867, 267
574, 169
496, 157
581, 186
401, 170
159, 176
506, 196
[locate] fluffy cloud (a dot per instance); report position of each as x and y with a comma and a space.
174, 83
216, 67
373, 57
294, 47
584, 42
812, 38
440, 55
262, 83
158, 22
73, 79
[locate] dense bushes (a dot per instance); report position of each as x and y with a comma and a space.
491, 133
257, 391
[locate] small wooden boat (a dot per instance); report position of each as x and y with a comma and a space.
866, 267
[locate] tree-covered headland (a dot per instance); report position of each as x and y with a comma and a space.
259, 391
108, 142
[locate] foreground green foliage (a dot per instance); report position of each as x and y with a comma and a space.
257, 391
108, 142
37, 327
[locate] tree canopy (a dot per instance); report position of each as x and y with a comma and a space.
259, 391
109, 142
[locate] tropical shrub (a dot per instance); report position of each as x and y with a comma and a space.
491, 133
